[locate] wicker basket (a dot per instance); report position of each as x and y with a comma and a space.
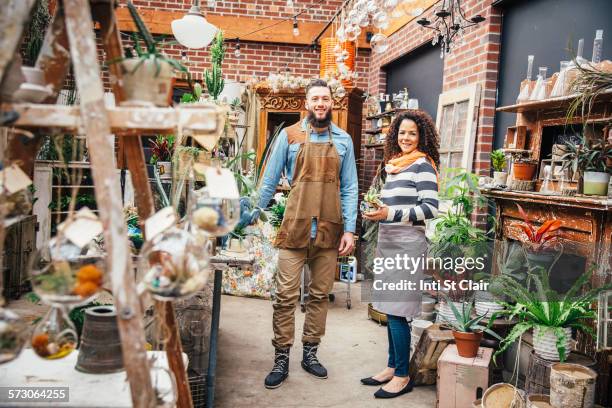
375, 315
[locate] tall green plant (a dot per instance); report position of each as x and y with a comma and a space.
498, 160
214, 78
544, 307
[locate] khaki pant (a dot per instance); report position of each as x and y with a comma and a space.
322, 263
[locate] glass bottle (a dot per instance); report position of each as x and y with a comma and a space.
597, 47
525, 85
55, 336
539, 90
560, 87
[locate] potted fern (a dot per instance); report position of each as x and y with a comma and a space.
147, 76
467, 330
551, 315
498, 161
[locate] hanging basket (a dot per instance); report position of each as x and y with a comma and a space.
329, 66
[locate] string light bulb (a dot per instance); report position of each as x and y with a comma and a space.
237, 50
296, 30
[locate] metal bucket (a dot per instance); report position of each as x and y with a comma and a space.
100, 351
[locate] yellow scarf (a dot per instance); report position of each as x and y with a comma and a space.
403, 161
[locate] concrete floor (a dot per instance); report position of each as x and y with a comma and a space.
353, 347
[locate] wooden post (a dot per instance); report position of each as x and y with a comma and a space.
133, 154
108, 195
14, 14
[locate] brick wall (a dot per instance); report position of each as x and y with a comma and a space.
259, 59
476, 62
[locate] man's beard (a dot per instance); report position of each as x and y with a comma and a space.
319, 123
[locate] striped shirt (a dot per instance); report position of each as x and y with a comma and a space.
412, 194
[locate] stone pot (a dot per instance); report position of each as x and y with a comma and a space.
503, 395
545, 343
595, 183
484, 303
143, 86
467, 343
446, 311
100, 351
572, 386
538, 401
523, 171
500, 178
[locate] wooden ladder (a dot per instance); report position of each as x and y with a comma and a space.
71, 37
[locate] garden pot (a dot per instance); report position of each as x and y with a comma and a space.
427, 305
143, 87
545, 343
503, 395
500, 178
523, 171
419, 326
165, 169
595, 183
544, 259
538, 401
467, 343
572, 386
100, 350
485, 304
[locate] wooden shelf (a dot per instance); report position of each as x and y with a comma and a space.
375, 145
59, 164
123, 120
386, 113
550, 104
374, 131
603, 203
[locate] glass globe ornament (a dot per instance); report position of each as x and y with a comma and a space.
64, 274
364, 21
337, 50
380, 20
55, 336
353, 33
174, 264
379, 43
13, 335
216, 216
372, 7
389, 5
340, 92
341, 34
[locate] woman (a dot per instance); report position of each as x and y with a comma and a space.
409, 196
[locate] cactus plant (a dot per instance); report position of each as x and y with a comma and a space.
214, 78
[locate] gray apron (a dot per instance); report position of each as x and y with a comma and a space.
410, 243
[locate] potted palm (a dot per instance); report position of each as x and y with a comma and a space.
498, 161
467, 330
590, 159
551, 315
147, 76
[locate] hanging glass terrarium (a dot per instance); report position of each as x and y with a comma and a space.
13, 334
216, 216
63, 273
55, 336
174, 264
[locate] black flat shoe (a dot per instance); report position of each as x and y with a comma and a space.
372, 381
385, 394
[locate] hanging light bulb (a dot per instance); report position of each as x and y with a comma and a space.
193, 31
296, 30
379, 43
237, 50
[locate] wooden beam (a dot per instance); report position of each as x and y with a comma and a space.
14, 14
108, 195
397, 23
159, 22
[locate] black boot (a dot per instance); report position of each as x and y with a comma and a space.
280, 371
310, 362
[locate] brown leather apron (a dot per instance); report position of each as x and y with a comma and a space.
315, 193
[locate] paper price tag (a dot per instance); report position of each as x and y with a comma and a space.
13, 179
221, 183
85, 227
159, 222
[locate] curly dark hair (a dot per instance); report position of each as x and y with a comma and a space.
429, 142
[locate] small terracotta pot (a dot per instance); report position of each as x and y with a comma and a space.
523, 171
467, 343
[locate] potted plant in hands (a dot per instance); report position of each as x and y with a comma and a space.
147, 77
590, 159
466, 329
551, 315
162, 148
498, 161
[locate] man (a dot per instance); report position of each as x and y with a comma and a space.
318, 224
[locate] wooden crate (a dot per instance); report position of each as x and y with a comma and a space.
19, 244
516, 137
424, 360
462, 380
